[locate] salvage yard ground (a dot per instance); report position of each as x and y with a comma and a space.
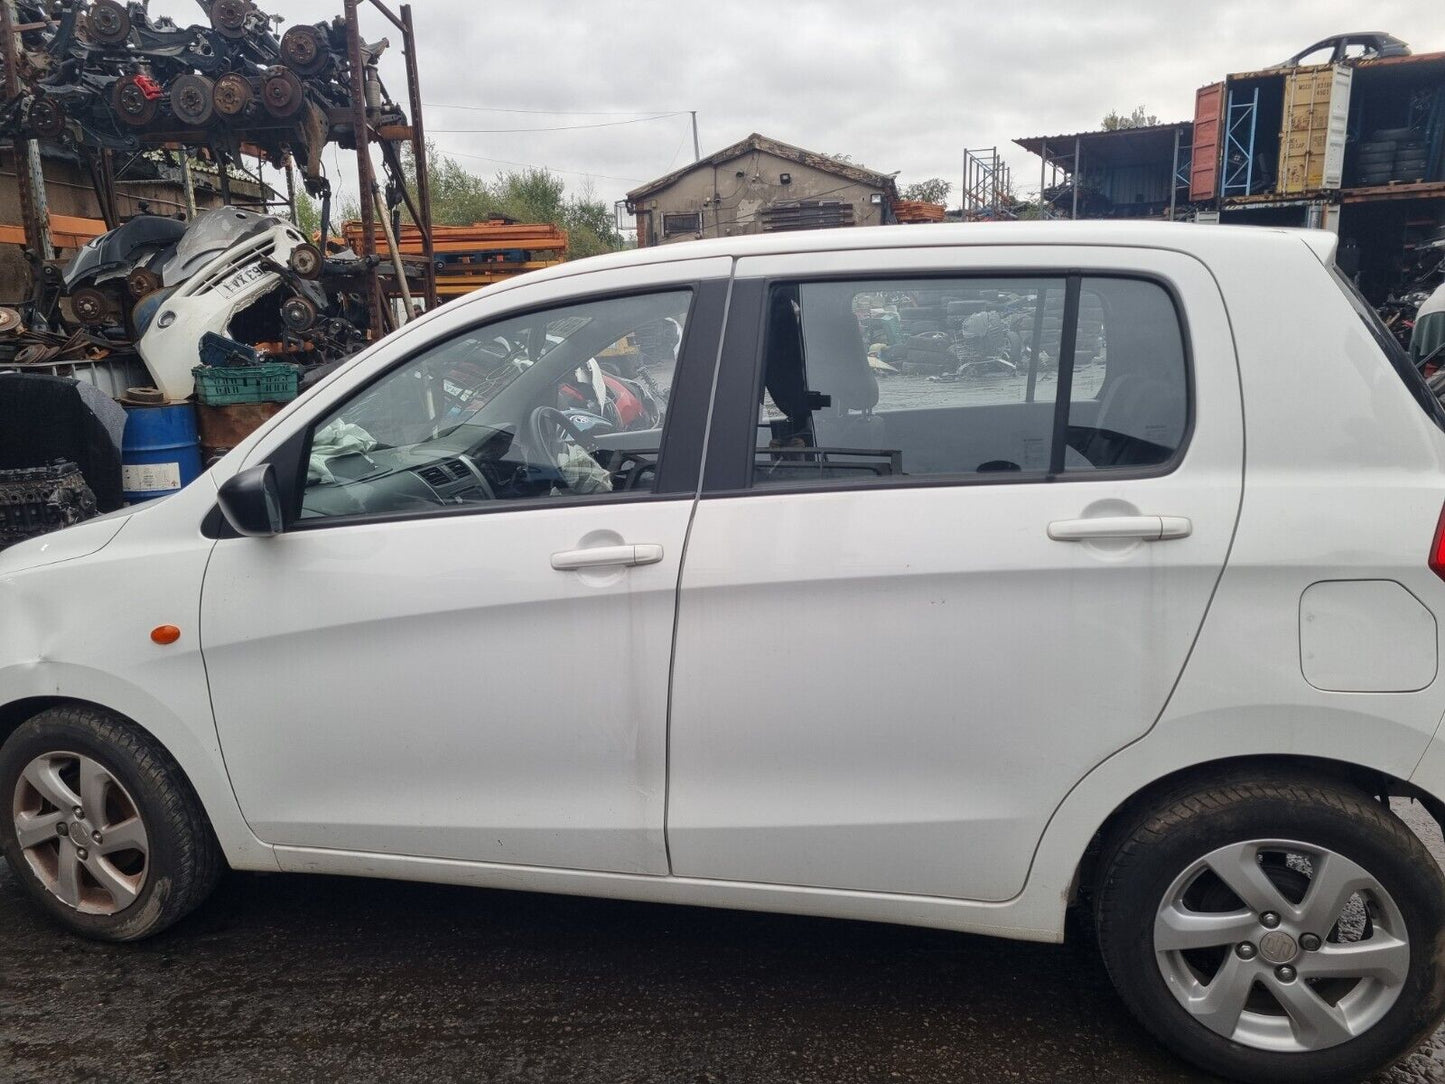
300, 979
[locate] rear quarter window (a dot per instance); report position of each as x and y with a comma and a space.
1394, 352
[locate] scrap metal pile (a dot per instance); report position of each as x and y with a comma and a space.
100, 74
101, 77
961, 334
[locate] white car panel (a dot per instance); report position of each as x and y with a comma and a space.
928, 672
439, 689
1342, 480
1366, 636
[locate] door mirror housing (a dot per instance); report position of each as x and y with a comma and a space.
251, 502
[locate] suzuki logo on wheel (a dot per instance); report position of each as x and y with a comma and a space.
1278, 947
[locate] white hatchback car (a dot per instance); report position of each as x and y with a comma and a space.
950, 576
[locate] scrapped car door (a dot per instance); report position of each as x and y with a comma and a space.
459, 647
958, 560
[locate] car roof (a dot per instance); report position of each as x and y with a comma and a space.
1176, 236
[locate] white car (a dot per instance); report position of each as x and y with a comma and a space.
1125, 600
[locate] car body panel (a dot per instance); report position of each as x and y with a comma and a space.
923, 671
1342, 480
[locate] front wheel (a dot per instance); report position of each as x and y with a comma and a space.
1276, 930
99, 826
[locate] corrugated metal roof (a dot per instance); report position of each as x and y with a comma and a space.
1120, 145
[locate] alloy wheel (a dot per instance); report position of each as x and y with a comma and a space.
81, 833
1281, 946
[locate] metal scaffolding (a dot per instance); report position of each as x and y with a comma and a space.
987, 184
1242, 118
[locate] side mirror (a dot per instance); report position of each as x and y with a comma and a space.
251, 502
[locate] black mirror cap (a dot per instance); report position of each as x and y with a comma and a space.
251, 502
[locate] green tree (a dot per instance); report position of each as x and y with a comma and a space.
1114, 120
308, 213
460, 197
933, 190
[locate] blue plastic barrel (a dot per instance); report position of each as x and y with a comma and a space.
160, 452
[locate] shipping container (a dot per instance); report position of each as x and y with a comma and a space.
1208, 137
1315, 121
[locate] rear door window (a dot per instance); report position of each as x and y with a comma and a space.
886, 380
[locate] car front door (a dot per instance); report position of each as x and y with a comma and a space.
459, 645
958, 561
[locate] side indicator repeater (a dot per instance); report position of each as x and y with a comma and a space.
165, 634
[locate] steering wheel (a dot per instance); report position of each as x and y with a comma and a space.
547, 432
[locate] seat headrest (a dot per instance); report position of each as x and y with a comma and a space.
835, 353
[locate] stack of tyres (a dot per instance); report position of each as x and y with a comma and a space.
929, 353
1388, 155
1412, 160
924, 340
1088, 344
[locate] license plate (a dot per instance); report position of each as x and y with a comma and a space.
239, 280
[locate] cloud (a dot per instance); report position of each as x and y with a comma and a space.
903, 86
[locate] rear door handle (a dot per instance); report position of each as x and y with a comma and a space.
1144, 528
645, 553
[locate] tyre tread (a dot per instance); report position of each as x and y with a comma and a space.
199, 862
1126, 858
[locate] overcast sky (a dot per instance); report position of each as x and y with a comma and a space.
901, 86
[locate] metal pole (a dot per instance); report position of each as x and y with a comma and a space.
29, 171
188, 183
419, 160
395, 252
1043, 168
1078, 151
291, 189
1174, 176
696, 147
365, 172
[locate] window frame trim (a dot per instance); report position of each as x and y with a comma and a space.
291, 459
721, 478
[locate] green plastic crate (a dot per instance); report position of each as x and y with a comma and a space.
271, 382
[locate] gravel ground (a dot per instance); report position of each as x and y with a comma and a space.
285, 978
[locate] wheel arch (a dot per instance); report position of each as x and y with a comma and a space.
240, 846
1379, 784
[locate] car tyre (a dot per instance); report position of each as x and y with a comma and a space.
132, 854
1328, 833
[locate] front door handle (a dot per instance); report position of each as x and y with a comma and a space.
645, 553
1143, 528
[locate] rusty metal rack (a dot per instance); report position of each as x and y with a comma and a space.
103, 76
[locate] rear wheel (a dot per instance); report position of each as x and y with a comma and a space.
100, 827
1276, 930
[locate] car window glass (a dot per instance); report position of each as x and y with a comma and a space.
549, 405
1129, 401
867, 381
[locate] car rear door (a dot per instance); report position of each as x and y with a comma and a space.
894, 660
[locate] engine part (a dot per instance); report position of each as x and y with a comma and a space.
35, 500
282, 93
297, 313
136, 99
192, 99
36, 354
233, 94
10, 322
229, 17
90, 306
306, 261
109, 22
47, 118
304, 50
142, 281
